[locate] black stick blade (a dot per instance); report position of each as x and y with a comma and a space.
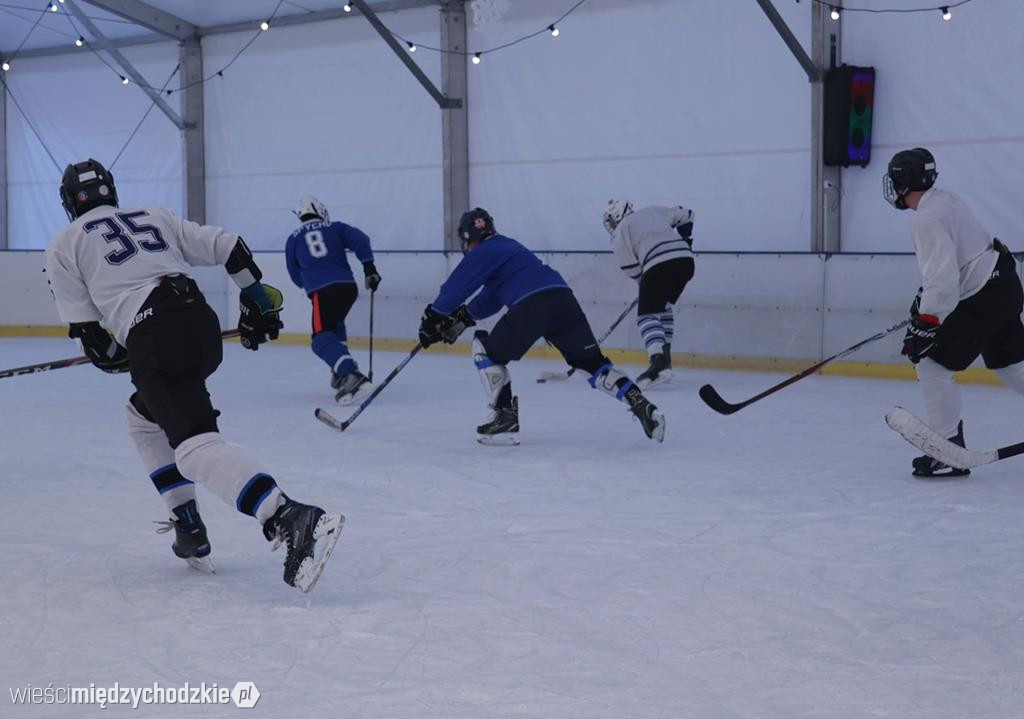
330, 420
714, 400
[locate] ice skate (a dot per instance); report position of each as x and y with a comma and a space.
502, 427
651, 419
659, 372
352, 387
309, 535
925, 466
190, 540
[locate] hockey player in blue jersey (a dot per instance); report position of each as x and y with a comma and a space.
317, 262
540, 304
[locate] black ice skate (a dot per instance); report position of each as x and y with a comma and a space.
502, 427
190, 540
351, 387
652, 420
925, 466
659, 372
309, 534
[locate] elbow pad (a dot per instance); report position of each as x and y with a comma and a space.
242, 267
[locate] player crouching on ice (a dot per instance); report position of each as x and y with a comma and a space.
540, 304
126, 269
969, 303
317, 262
654, 246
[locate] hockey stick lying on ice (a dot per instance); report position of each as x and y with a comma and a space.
935, 445
566, 374
714, 400
61, 364
337, 424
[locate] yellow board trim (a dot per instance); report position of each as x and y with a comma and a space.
874, 370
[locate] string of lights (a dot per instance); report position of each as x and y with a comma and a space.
32, 127
551, 28
138, 126
836, 9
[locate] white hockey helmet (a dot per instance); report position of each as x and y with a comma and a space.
613, 214
309, 205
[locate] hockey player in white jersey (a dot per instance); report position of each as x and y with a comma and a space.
654, 246
125, 268
969, 303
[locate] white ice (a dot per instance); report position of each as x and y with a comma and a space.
778, 563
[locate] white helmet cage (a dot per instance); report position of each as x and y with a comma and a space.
309, 205
613, 214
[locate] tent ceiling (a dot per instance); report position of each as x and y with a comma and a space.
18, 16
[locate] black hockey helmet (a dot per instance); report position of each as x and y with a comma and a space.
475, 226
908, 171
86, 185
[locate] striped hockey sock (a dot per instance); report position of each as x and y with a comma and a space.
652, 333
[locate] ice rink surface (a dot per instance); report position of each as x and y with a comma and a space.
775, 564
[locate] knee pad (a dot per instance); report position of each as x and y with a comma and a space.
152, 444
494, 377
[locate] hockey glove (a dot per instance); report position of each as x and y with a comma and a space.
685, 232
372, 280
433, 325
920, 338
460, 320
100, 347
260, 318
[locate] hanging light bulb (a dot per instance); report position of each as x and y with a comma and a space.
946, 14
346, 7
476, 58
53, 7
553, 30
124, 80
264, 26
412, 46
835, 13
80, 41
6, 66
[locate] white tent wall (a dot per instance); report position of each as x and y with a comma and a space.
326, 109
953, 87
659, 101
81, 110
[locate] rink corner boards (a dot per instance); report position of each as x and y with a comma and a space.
874, 370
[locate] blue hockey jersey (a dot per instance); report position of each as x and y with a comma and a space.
316, 257
507, 271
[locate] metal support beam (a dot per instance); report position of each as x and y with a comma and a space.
826, 181
190, 56
121, 60
455, 121
403, 54
813, 71
148, 17
3, 169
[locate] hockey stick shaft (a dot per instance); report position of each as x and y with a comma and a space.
567, 374
372, 293
715, 401
70, 362
327, 419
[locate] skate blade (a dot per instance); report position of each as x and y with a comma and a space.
663, 378
202, 564
326, 534
355, 397
506, 439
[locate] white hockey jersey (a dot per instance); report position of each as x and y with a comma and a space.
103, 265
954, 252
648, 237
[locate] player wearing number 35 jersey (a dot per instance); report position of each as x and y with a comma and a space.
317, 262
126, 268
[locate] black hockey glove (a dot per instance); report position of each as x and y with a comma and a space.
260, 318
372, 280
460, 320
920, 337
433, 325
685, 232
100, 347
